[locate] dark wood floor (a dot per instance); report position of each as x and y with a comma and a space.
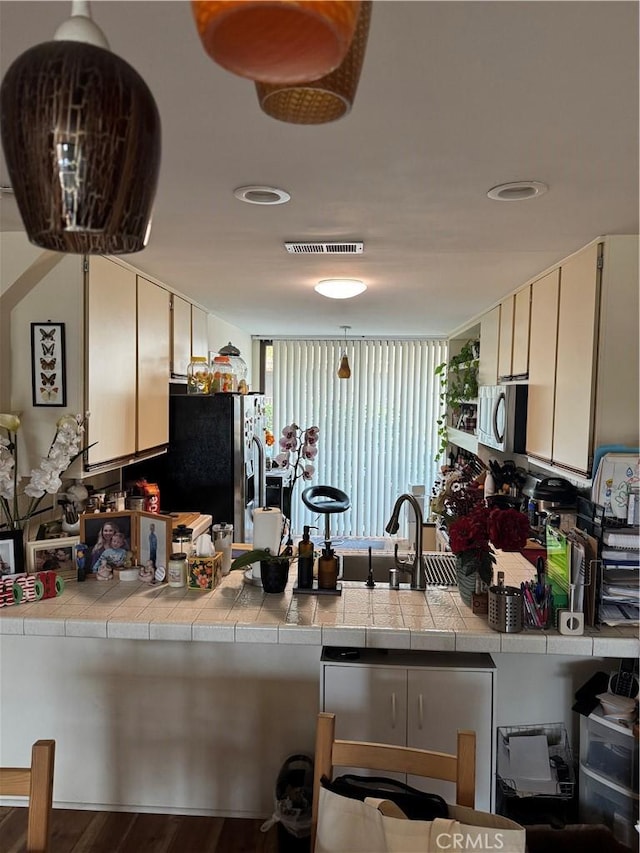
76, 831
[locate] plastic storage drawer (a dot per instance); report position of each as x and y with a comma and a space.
610, 751
613, 805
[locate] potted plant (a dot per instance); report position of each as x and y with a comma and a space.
458, 384
472, 536
298, 447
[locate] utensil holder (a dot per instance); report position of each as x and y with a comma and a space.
505, 608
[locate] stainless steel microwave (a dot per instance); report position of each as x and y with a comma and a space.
502, 417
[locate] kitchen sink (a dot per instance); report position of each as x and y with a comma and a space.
440, 568
355, 567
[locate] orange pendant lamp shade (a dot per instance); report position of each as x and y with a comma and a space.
327, 99
277, 41
344, 371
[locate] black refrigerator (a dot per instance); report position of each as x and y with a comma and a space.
215, 462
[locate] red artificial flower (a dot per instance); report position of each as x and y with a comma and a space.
508, 529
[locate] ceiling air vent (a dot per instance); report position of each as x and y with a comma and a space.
324, 248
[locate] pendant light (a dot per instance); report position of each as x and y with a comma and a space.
327, 98
277, 41
344, 371
81, 138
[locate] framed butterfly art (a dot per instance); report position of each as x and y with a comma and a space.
48, 367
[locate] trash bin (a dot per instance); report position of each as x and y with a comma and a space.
293, 800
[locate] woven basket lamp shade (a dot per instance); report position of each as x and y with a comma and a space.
277, 41
327, 99
81, 138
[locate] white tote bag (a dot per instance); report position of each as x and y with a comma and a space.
379, 826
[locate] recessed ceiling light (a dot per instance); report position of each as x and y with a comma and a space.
517, 190
261, 195
340, 288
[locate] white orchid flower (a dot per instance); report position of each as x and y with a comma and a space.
10, 422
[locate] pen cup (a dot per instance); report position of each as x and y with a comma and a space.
537, 606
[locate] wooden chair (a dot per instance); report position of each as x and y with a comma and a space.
35, 782
330, 753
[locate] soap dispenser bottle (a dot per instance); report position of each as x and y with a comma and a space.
327, 568
305, 560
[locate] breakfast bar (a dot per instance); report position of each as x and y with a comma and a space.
181, 701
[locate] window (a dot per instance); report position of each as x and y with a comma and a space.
378, 434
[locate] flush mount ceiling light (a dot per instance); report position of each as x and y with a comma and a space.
276, 41
81, 137
340, 288
517, 190
261, 195
326, 99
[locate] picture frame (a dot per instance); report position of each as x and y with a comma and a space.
50, 530
48, 364
11, 552
151, 524
97, 539
58, 555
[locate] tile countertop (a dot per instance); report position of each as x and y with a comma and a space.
243, 613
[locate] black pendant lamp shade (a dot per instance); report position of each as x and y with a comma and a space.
81, 138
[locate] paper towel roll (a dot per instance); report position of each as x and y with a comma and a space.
267, 529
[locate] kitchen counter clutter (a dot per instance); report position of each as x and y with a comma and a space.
237, 612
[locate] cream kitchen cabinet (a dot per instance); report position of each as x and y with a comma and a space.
417, 699
595, 380
127, 363
513, 348
189, 334
489, 340
152, 365
199, 332
180, 335
110, 376
542, 365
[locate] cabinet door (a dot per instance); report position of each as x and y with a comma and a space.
153, 365
542, 365
521, 317
489, 337
180, 335
505, 346
440, 702
370, 702
199, 332
575, 371
111, 361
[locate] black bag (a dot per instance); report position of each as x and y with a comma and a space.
417, 805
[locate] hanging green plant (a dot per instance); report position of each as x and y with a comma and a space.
458, 385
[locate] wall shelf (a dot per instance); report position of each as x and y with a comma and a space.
465, 440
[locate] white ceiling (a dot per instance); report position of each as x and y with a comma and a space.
454, 98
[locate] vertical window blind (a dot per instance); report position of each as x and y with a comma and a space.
378, 431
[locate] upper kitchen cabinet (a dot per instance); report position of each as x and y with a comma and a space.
127, 363
489, 338
545, 293
180, 336
595, 380
153, 365
110, 376
189, 335
199, 332
513, 348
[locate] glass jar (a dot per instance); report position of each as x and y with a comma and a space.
182, 538
238, 364
222, 375
177, 569
198, 376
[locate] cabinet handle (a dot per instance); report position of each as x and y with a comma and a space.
393, 710
420, 711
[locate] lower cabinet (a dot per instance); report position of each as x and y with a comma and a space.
417, 699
